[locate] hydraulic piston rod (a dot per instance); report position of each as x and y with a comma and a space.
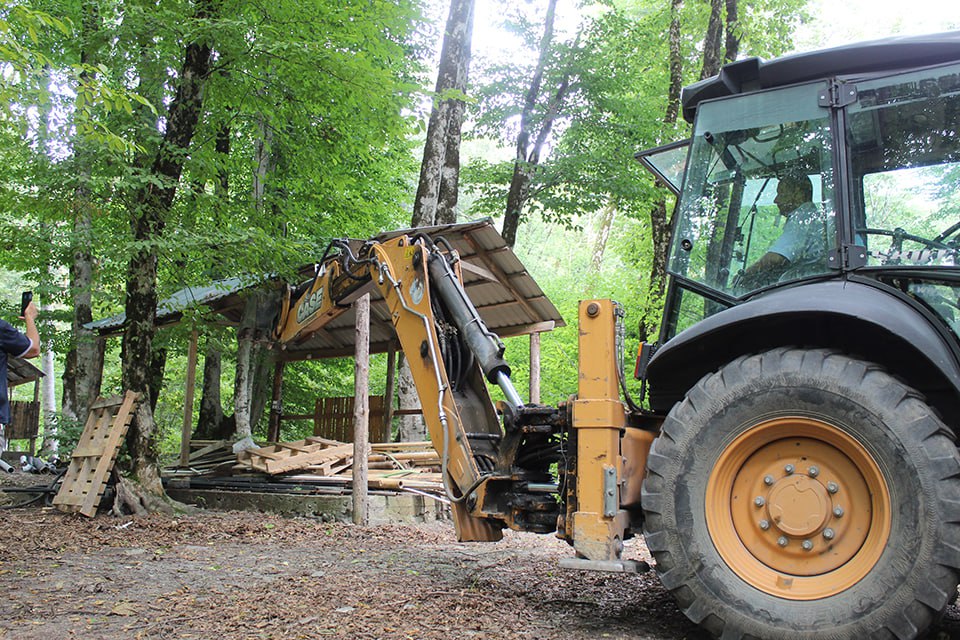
483, 343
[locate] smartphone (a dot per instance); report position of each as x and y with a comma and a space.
25, 299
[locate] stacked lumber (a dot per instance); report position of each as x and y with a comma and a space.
326, 456
208, 456
392, 466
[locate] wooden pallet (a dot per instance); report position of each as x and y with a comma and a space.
93, 458
287, 456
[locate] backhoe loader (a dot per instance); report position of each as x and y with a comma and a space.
794, 472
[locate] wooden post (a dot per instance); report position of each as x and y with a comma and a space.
535, 368
36, 403
390, 392
276, 403
188, 400
361, 413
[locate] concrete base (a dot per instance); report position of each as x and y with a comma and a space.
382, 509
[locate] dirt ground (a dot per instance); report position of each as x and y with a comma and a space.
246, 575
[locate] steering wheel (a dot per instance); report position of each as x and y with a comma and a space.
898, 235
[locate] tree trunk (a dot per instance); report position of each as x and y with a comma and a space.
254, 368
525, 159
676, 65
660, 238
607, 215
732, 43
410, 428
50, 446
660, 224
210, 423
265, 160
243, 436
712, 41
150, 205
83, 370
446, 118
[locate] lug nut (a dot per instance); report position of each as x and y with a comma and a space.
833, 487
768, 480
807, 545
789, 469
764, 524
782, 541
813, 472
828, 534
838, 512
759, 501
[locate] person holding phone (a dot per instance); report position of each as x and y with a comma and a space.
19, 345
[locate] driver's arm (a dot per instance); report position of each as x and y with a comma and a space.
767, 269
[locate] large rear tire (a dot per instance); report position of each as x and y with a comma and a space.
805, 494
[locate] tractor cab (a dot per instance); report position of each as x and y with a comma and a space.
818, 167
804, 479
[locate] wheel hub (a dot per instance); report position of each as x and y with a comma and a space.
798, 508
799, 505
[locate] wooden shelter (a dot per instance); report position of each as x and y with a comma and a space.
506, 296
24, 414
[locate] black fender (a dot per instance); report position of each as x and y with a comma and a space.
863, 319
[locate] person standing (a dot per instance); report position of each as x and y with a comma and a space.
19, 345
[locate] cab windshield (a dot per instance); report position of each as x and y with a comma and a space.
757, 207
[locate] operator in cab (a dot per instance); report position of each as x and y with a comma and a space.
804, 239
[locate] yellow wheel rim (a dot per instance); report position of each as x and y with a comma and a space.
798, 509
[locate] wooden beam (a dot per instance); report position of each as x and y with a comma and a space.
187, 429
501, 275
535, 368
524, 329
361, 412
276, 403
335, 352
478, 271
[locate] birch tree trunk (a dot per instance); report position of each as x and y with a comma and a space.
83, 363
446, 119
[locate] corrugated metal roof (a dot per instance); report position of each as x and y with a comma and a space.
507, 297
222, 296
20, 371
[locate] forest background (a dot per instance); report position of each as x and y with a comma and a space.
151, 146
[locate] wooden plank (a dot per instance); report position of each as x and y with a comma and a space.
210, 448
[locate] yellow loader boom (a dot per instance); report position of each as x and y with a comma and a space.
528, 467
